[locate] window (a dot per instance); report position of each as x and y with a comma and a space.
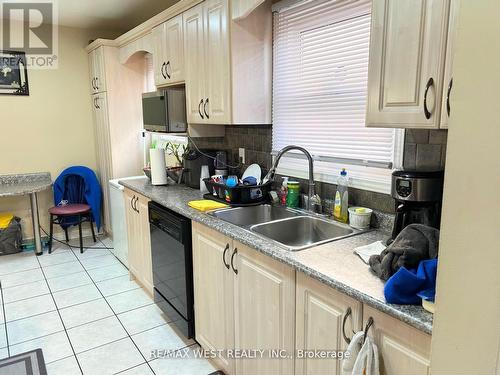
320, 79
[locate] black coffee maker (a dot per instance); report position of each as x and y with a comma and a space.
418, 198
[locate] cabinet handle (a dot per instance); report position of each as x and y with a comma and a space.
97, 83
232, 260
93, 83
224, 256
166, 69
430, 83
135, 205
199, 109
369, 323
450, 85
348, 313
161, 70
205, 109
132, 202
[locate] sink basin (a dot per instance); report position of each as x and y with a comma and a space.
301, 232
247, 216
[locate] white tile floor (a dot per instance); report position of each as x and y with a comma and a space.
86, 315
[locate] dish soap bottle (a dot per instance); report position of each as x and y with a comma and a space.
283, 191
341, 198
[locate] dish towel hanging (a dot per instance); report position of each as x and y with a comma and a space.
363, 359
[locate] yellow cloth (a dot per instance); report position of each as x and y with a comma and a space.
206, 205
5, 219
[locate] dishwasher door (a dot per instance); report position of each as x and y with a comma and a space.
171, 253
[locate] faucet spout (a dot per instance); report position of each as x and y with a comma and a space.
272, 171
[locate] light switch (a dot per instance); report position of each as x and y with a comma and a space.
242, 155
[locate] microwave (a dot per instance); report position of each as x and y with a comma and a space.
165, 110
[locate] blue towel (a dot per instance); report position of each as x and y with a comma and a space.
92, 189
408, 287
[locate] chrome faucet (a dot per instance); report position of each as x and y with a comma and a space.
272, 171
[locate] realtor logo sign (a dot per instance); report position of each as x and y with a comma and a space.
31, 27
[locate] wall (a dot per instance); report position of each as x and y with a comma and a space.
467, 321
52, 128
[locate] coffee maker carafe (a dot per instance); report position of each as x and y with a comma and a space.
418, 199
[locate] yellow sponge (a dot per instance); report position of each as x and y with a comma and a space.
206, 205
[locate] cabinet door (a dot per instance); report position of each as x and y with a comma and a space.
194, 48
213, 292
402, 349
407, 50
320, 311
174, 38
448, 67
159, 61
92, 72
144, 243
217, 105
99, 68
264, 311
134, 254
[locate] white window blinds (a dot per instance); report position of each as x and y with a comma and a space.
319, 92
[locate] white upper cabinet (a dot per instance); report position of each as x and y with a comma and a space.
208, 78
407, 56
228, 64
448, 67
97, 71
194, 48
168, 52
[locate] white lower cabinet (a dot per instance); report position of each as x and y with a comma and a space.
245, 300
320, 314
264, 311
402, 349
139, 240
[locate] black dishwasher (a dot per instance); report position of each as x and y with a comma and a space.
172, 258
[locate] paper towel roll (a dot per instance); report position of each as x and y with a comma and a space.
158, 166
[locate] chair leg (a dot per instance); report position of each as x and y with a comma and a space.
51, 231
92, 227
80, 233
66, 233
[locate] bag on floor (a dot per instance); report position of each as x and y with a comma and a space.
11, 237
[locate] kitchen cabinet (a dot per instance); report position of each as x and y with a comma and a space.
208, 83
103, 147
168, 52
448, 67
407, 57
213, 293
243, 300
117, 118
320, 312
97, 71
264, 310
226, 85
402, 349
139, 253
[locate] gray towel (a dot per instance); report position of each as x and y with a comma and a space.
415, 243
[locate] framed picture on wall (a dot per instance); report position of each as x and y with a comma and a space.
13, 73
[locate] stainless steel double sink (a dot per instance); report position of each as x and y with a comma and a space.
294, 229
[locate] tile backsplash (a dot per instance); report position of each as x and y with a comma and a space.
423, 150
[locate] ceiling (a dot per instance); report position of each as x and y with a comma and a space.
115, 15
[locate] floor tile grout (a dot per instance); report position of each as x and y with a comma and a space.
5, 323
62, 322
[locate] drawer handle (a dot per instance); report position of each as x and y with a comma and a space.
232, 260
448, 109
369, 323
199, 109
224, 256
344, 321
430, 83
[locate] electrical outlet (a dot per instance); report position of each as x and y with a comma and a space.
242, 155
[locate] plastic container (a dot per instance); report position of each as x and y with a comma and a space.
240, 194
293, 194
341, 198
360, 217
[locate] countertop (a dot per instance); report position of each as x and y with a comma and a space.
22, 184
333, 264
